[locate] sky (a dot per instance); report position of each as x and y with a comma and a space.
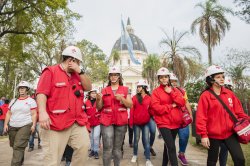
101, 24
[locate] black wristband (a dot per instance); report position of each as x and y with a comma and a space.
81, 72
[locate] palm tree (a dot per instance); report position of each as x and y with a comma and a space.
150, 66
114, 57
176, 53
212, 24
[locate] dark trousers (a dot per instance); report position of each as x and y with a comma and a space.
32, 137
223, 154
169, 152
234, 149
68, 153
130, 135
19, 137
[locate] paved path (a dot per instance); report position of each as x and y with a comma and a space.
195, 156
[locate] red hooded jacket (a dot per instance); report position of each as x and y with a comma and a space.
212, 120
139, 113
4, 108
93, 113
161, 102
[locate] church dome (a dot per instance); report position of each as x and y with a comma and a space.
138, 45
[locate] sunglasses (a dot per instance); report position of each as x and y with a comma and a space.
115, 74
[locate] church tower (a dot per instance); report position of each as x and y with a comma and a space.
131, 72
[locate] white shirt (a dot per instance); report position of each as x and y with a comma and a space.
21, 111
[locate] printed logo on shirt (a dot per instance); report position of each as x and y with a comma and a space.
60, 84
230, 102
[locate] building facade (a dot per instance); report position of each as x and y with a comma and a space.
131, 72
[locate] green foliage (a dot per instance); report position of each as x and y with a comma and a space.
212, 24
150, 66
94, 61
244, 11
194, 90
114, 57
175, 54
32, 36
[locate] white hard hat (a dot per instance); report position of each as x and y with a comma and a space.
163, 71
173, 77
214, 69
142, 83
114, 69
73, 51
94, 89
24, 84
228, 81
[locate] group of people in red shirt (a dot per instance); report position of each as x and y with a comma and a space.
66, 120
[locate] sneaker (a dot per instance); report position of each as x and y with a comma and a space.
134, 159
96, 155
152, 152
182, 159
30, 149
91, 154
131, 145
148, 163
39, 146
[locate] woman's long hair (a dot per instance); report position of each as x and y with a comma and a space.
138, 95
120, 81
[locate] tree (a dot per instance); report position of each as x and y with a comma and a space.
244, 13
236, 64
194, 90
30, 17
114, 57
212, 24
94, 61
32, 35
150, 66
176, 53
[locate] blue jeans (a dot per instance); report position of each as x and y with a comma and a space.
223, 154
32, 137
112, 138
183, 139
152, 130
145, 139
1, 126
95, 138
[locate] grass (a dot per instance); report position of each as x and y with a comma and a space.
245, 148
246, 152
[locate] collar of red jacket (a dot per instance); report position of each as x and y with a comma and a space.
223, 90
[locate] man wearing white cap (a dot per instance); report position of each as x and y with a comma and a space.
60, 94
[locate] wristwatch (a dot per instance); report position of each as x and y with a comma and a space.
82, 72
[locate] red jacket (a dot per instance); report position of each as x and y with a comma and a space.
93, 114
161, 102
63, 106
113, 111
212, 120
4, 108
139, 113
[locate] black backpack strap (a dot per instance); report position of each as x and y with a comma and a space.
224, 105
12, 104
